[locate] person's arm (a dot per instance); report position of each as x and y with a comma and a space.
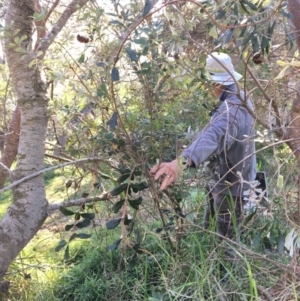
217, 136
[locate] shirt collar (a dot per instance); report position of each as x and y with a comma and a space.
231, 89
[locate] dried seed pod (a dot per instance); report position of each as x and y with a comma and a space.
82, 39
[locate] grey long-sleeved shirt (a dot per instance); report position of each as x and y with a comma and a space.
229, 137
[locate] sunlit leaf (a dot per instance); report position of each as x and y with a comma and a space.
213, 32
81, 59
280, 181
282, 73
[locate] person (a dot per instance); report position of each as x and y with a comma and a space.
227, 142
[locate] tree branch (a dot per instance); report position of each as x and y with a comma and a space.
69, 11
35, 174
103, 197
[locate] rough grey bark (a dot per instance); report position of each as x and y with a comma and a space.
11, 145
29, 208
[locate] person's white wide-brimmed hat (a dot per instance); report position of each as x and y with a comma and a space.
219, 69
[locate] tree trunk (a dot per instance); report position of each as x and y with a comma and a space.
11, 145
293, 131
29, 208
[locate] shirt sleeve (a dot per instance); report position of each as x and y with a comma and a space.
217, 137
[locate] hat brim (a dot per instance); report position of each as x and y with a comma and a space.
224, 79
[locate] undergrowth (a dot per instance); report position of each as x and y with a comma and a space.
199, 271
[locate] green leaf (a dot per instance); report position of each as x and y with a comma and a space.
271, 29
220, 15
88, 215
83, 223
116, 22
112, 224
132, 54
256, 240
244, 7
147, 7
115, 74
236, 9
141, 41
68, 227
281, 241
115, 245
67, 253
118, 205
102, 91
228, 36
104, 176
81, 59
119, 189
85, 195
255, 44
80, 235
113, 121
139, 186
60, 245
101, 64
135, 203
213, 32
123, 178
65, 211
249, 218
250, 4
133, 261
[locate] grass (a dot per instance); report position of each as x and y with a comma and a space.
197, 271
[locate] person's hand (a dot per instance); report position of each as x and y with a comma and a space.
171, 170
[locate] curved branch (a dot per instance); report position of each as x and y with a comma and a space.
35, 174
69, 11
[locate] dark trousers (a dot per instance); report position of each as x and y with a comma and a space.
228, 213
